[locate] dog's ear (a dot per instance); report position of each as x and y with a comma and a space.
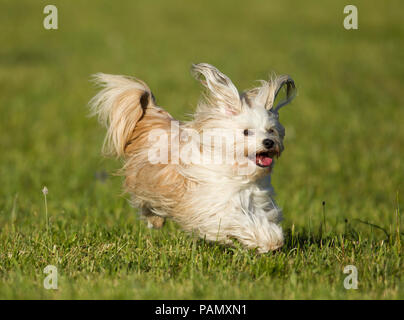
221, 91
284, 91
273, 94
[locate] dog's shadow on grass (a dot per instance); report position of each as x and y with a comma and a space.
301, 240
305, 240
352, 234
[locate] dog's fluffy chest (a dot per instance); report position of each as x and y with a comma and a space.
257, 200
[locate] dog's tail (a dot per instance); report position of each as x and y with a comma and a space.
119, 106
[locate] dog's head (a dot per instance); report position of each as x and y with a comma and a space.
253, 115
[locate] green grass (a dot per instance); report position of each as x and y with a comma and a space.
344, 145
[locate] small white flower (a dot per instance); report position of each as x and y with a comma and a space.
45, 191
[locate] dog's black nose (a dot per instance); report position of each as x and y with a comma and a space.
268, 143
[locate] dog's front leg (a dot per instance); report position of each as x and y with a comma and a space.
260, 233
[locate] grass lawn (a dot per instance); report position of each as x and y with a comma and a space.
344, 145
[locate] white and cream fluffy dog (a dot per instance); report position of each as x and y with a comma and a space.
168, 166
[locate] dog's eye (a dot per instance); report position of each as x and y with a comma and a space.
270, 131
247, 132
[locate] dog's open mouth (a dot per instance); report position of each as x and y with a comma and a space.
263, 159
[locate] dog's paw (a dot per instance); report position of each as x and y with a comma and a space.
155, 222
270, 247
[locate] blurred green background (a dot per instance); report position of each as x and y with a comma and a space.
344, 145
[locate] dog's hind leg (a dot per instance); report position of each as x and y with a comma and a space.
153, 221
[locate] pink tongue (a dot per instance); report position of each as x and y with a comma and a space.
266, 161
